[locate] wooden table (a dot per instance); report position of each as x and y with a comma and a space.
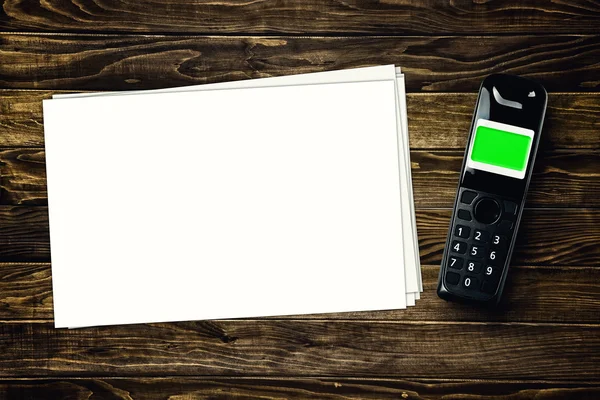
543, 340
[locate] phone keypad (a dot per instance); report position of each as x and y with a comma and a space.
478, 251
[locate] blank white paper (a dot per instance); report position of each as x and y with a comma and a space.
376, 73
223, 204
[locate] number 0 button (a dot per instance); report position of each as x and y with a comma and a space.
470, 282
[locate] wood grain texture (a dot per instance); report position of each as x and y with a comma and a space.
303, 348
543, 341
24, 234
561, 178
557, 237
21, 118
291, 17
115, 62
298, 388
533, 294
546, 236
572, 120
23, 177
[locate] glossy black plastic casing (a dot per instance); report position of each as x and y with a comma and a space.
531, 116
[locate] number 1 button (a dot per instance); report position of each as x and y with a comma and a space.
462, 231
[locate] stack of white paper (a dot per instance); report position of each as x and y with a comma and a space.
276, 196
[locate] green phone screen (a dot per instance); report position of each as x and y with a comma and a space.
501, 148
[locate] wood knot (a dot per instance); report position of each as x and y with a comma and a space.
228, 339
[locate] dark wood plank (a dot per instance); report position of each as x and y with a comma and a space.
561, 178
305, 348
26, 291
297, 388
546, 236
567, 236
292, 17
532, 294
114, 62
24, 234
572, 120
23, 177
21, 120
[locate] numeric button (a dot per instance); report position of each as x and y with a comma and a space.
481, 236
455, 262
499, 241
491, 272
476, 251
459, 247
491, 275
470, 282
462, 231
495, 257
473, 266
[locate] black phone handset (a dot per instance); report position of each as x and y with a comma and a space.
496, 170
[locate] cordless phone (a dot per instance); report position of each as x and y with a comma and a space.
495, 175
